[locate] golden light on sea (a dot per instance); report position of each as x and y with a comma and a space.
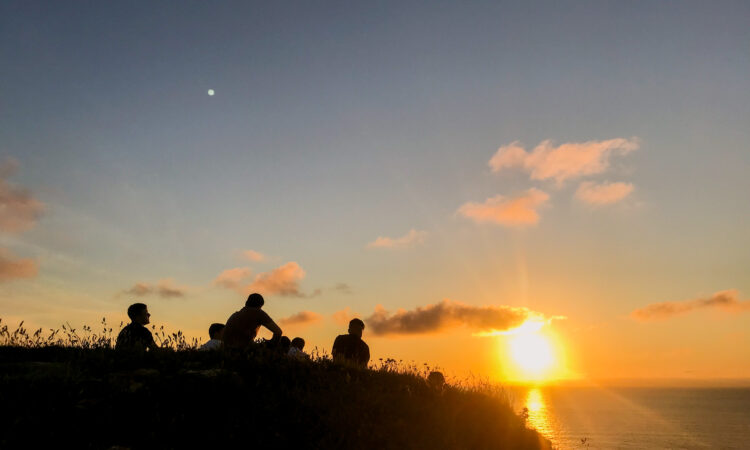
537, 411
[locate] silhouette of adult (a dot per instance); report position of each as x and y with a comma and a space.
350, 347
242, 326
135, 335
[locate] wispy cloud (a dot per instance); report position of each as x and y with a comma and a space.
12, 268
19, 210
139, 290
301, 318
233, 278
449, 314
164, 288
413, 237
252, 255
723, 300
562, 162
516, 211
283, 281
603, 193
343, 288
343, 316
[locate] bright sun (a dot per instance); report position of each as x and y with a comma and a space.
532, 352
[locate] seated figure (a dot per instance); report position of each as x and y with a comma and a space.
295, 351
135, 335
215, 332
242, 326
350, 348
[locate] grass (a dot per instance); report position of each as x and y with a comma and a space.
70, 388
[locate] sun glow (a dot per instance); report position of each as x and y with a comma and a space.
531, 353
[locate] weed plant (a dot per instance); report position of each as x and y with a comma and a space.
70, 388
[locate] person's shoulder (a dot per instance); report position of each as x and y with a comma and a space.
127, 329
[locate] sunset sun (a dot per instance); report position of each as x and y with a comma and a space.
532, 353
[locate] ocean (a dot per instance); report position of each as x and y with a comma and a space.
638, 418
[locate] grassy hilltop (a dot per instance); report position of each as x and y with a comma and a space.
94, 397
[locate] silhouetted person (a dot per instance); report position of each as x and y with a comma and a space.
350, 347
295, 350
436, 380
135, 335
215, 332
284, 344
242, 326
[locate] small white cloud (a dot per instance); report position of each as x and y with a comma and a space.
252, 255
517, 211
413, 237
603, 193
565, 161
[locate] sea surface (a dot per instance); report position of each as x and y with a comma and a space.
638, 418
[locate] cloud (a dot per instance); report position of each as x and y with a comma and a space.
413, 237
448, 314
562, 162
12, 268
139, 290
724, 300
301, 318
604, 193
19, 210
344, 316
252, 255
283, 280
517, 211
164, 288
233, 278
343, 288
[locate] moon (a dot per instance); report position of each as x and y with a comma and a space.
211, 92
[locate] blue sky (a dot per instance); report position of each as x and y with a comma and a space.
336, 123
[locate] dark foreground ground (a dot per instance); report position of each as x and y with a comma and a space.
95, 398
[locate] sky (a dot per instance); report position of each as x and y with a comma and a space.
444, 171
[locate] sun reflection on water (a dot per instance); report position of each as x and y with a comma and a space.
538, 415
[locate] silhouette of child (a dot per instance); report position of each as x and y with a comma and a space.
295, 350
436, 380
215, 332
135, 335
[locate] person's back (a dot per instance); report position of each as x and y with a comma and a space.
350, 347
242, 326
135, 335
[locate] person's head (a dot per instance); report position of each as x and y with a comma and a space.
284, 344
138, 313
216, 330
436, 380
356, 327
255, 300
299, 343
